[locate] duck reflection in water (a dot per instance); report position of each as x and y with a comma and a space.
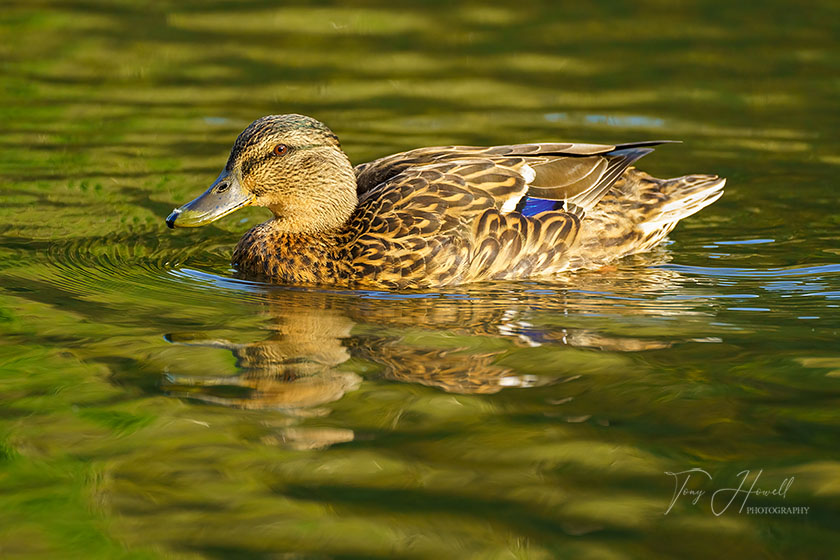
294, 369
454, 342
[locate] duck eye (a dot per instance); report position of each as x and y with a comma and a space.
281, 150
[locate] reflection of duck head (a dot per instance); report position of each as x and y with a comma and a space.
453, 341
292, 369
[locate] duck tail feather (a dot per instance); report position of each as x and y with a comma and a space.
688, 196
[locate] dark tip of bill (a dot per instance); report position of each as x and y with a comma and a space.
170, 220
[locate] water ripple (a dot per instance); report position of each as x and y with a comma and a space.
812, 270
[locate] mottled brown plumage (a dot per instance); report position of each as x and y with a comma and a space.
438, 216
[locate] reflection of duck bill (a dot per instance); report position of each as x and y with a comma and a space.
224, 196
309, 438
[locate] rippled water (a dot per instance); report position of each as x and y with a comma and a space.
152, 404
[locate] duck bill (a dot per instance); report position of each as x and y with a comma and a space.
224, 196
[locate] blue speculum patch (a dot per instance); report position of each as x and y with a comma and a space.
530, 206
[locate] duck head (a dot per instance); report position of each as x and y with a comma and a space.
291, 164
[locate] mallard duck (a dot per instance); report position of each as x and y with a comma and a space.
441, 216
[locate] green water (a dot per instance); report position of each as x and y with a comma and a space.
152, 405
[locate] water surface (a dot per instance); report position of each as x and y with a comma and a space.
154, 405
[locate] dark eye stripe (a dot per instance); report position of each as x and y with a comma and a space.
249, 164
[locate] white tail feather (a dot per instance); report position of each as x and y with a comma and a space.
696, 197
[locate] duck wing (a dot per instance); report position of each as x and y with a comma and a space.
440, 216
451, 222
574, 174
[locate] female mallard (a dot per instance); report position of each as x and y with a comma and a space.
437, 216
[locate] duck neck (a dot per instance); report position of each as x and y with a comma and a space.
269, 251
